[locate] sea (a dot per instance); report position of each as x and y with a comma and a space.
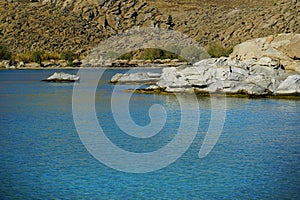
44, 154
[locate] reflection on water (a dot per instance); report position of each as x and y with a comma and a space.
256, 156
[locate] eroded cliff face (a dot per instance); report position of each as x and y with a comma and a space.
79, 25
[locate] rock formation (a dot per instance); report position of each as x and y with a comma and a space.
284, 48
224, 76
62, 77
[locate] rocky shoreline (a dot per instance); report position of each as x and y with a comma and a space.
261, 67
252, 78
116, 64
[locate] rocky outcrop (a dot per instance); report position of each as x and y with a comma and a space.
224, 75
251, 77
283, 48
62, 77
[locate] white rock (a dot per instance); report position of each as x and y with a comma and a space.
171, 78
116, 78
291, 85
62, 77
283, 47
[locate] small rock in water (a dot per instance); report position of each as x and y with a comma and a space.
62, 77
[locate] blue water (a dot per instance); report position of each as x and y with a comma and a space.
42, 157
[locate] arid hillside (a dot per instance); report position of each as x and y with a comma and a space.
78, 25
231, 21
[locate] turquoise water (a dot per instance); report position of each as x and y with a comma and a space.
42, 157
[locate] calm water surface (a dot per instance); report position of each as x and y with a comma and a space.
42, 157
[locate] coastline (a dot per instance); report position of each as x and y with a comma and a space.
295, 96
66, 68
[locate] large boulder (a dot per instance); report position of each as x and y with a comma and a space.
284, 48
291, 85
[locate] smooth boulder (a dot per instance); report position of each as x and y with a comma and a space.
291, 85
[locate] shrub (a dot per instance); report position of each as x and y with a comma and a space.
152, 54
51, 56
5, 54
37, 57
216, 50
24, 57
126, 56
68, 56
169, 55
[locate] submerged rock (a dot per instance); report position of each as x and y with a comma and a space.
62, 77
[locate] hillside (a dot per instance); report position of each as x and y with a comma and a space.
78, 25
231, 22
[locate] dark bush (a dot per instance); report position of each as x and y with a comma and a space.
37, 57
152, 54
5, 54
126, 56
68, 56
